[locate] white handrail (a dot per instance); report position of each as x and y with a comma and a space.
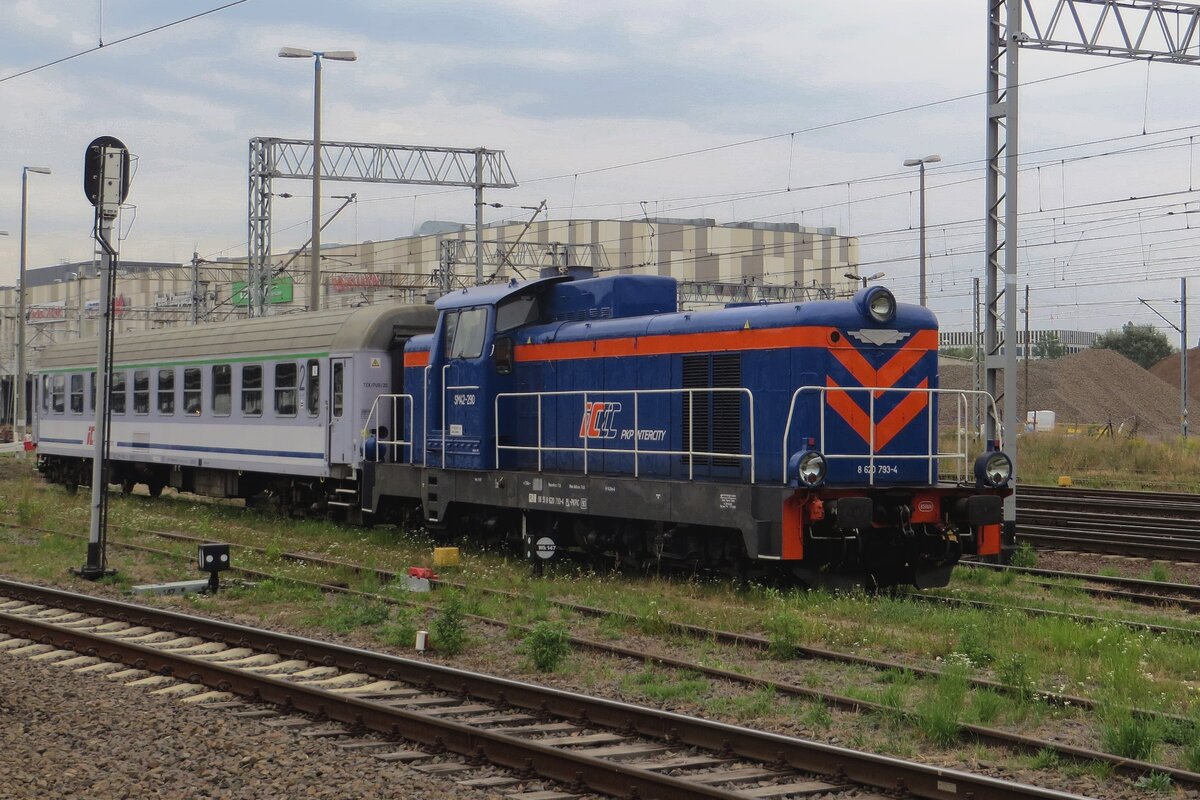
932, 453
636, 452
398, 413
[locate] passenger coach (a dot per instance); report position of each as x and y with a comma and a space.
275, 404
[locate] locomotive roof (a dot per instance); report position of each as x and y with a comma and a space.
833, 313
493, 293
334, 330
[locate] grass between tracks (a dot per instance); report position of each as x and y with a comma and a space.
1169, 465
1114, 664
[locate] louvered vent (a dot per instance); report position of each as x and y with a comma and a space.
713, 421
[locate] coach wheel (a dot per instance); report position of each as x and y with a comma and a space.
155, 488
127, 485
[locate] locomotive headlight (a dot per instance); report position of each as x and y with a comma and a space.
881, 305
808, 468
993, 469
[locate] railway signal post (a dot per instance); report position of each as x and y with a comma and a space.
106, 183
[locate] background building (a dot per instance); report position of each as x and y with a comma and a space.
1071, 341
715, 263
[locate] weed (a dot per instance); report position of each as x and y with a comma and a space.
1128, 736
986, 705
347, 614
892, 700
938, 717
449, 629
1045, 759
613, 626
1024, 556
547, 645
1015, 675
818, 715
401, 631
657, 685
975, 644
1191, 757
1159, 574
783, 633
1155, 782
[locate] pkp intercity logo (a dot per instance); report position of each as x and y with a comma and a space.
597, 422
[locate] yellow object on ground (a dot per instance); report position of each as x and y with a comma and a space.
1064, 480
445, 556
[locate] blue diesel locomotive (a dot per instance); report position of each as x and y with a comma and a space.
587, 415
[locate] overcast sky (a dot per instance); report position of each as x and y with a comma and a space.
575, 91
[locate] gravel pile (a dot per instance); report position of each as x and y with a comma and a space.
1093, 387
1169, 368
84, 736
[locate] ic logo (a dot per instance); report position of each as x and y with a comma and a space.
597, 420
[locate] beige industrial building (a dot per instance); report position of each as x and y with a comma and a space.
715, 263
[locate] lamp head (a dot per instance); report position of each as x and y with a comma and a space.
339, 55
295, 52
39, 170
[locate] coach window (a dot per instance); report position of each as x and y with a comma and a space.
45, 393
252, 390
141, 391
76, 394
285, 390
193, 390
469, 332
222, 385
166, 392
339, 380
313, 392
57, 389
117, 393
91, 391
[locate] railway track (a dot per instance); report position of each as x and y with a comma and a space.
1146, 524
459, 718
968, 732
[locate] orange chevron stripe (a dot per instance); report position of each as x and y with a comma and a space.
907, 357
888, 427
904, 412
886, 376
848, 410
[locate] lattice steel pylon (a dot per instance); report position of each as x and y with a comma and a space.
270, 158
1145, 30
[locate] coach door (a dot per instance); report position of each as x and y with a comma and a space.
343, 444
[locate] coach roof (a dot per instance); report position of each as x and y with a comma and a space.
332, 331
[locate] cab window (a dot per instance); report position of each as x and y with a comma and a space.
465, 332
517, 311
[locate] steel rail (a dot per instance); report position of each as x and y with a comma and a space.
874, 770
733, 639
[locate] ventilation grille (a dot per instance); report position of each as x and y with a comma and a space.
604, 312
712, 421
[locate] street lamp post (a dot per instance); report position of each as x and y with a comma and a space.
314, 277
19, 396
855, 277
921, 162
